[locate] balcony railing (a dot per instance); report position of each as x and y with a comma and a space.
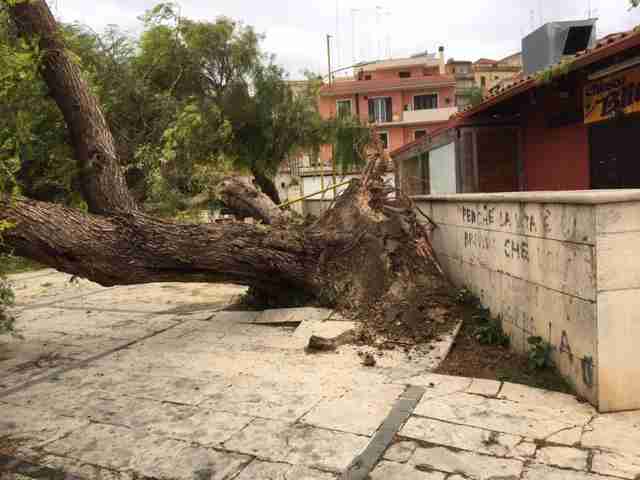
428, 115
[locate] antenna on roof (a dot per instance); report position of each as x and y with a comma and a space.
540, 12
532, 20
353, 33
337, 40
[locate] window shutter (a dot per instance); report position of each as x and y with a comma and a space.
371, 111
389, 109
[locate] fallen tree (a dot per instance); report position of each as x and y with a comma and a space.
368, 254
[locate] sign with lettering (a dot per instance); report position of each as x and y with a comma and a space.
617, 93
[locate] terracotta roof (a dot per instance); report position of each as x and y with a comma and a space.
386, 84
407, 146
608, 46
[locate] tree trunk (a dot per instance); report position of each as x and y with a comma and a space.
267, 186
134, 248
103, 183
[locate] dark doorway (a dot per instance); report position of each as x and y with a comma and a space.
614, 155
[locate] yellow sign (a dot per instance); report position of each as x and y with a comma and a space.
611, 95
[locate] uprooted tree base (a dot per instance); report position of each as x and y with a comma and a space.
367, 255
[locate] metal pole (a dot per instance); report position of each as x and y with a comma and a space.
353, 34
329, 56
296, 200
337, 33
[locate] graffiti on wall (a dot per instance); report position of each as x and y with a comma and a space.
513, 248
522, 221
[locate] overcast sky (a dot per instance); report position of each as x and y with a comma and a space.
295, 30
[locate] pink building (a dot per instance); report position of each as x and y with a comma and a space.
405, 98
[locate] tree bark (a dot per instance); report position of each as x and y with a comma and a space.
103, 183
239, 195
267, 186
134, 248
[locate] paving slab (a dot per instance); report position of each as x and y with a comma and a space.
155, 381
481, 386
536, 396
471, 465
358, 410
400, 452
259, 470
47, 286
439, 385
293, 315
569, 436
564, 457
80, 469
615, 432
545, 472
462, 437
155, 456
397, 471
527, 420
624, 465
279, 441
30, 427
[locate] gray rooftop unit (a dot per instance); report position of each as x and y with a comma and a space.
548, 44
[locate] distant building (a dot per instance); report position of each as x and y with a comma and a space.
404, 98
571, 127
489, 73
462, 71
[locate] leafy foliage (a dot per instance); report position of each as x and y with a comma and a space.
539, 353
466, 297
187, 102
475, 96
490, 330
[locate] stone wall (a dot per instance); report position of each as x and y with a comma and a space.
564, 266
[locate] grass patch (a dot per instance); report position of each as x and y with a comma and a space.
11, 264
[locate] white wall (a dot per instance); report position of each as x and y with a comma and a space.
442, 169
564, 266
313, 183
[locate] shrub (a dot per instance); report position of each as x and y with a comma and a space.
539, 353
489, 331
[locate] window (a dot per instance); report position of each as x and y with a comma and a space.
404, 74
367, 77
419, 134
380, 110
343, 108
462, 69
424, 102
483, 82
384, 139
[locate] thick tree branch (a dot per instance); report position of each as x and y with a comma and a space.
103, 184
240, 196
135, 248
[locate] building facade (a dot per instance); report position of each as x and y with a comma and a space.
462, 71
404, 98
569, 130
489, 73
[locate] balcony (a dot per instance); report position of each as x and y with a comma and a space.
423, 116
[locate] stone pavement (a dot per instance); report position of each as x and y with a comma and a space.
157, 381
